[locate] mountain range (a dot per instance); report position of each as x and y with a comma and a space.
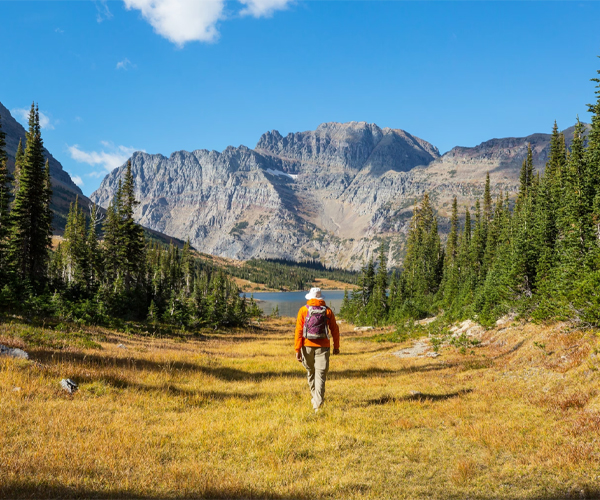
332, 194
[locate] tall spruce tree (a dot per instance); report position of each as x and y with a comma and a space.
378, 306
526, 176
132, 234
592, 159
31, 219
75, 258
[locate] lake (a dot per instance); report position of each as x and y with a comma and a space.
290, 302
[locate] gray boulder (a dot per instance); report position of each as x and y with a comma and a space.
68, 385
13, 352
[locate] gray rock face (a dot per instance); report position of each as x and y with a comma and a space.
354, 146
329, 194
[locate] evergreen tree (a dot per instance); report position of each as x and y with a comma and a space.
378, 306
487, 200
424, 259
75, 258
5, 193
112, 251
132, 234
94, 254
30, 235
18, 164
526, 176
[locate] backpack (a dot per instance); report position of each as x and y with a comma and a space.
315, 323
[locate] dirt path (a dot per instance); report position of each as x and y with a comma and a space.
420, 349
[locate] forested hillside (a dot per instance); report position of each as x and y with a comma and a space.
122, 276
539, 255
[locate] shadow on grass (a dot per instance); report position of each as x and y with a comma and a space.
511, 350
419, 396
122, 383
96, 361
45, 491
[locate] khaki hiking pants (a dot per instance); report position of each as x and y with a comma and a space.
316, 362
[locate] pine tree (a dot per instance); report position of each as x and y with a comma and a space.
487, 200
478, 241
75, 249
592, 184
452, 245
592, 154
30, 235
378, 305
5, 193
94, 254
424, 259
526, 176
18, 165
112, 241
132, 234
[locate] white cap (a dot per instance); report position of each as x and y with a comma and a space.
315, 293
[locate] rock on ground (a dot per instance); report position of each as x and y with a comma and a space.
13, 353
68, 385
468, 328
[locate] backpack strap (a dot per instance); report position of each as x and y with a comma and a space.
327, 323
310, 311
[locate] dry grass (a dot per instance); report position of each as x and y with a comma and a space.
229, 417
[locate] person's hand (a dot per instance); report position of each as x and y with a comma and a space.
336, 351
299, 356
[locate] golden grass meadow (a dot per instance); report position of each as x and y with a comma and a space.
228, 415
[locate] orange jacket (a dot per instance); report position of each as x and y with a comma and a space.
333, 328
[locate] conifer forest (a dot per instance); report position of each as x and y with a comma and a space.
538, 255
104, 269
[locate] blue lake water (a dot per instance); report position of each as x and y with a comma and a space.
290, 302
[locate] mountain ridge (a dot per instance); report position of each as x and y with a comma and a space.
331, 194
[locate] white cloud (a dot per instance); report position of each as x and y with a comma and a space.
182, 21
58, 30
262, 8
22, 114
125, 64
76, 179
109, 160
103, 13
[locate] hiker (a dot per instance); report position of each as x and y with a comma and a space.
315, 327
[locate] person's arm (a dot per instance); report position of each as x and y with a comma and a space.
334, 330
299, 338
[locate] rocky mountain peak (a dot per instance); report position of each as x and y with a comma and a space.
348, 147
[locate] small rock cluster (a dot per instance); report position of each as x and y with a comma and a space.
468, 328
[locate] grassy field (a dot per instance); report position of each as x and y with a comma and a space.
228, 415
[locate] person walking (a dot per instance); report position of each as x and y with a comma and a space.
315, 326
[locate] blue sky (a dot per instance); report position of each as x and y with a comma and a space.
165, 75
